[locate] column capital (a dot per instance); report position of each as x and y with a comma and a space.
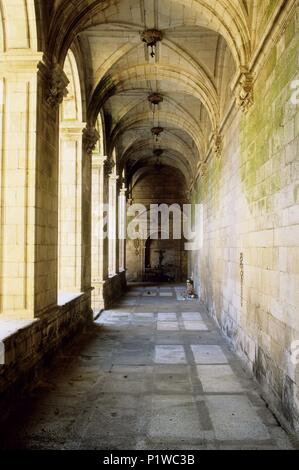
123, 191
98, 161
244, 90
109, 165
114, 178
121, 183
203, 169
72, 128
90, 138
56, 83
217, 144
15, 62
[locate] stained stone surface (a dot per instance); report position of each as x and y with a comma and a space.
191, 316
235, 418
195, 326
176, 417
138, 379
170, 354
167, 326
210, 354
218, 378
167, 316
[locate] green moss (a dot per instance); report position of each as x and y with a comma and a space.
208, 187
262, 126
290, 32
266, 9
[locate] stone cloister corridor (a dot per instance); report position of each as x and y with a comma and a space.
152, 373
149, 224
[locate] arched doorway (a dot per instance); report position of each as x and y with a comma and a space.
162, 260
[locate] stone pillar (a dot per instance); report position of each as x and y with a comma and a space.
99, 243
51, 89
112, 225
18, 167
90, 139
122, 218
142, 259
70, 201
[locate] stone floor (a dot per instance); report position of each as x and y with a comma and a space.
152, 373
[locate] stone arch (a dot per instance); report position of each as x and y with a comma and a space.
221, 16
70, 183
2, 31
121, 80
168, 161
100, 127
71, 108
173, 119
19, 28
175, 153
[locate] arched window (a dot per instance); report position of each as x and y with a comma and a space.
97, 220
70, 186
18, 130
112, 220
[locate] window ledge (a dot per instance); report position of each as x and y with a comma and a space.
10, 325
67, 297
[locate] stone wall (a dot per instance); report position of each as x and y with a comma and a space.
114, 287
251, 212
30, 345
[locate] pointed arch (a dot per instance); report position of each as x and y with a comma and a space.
19, 28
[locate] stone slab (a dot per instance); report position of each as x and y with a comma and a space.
170, 354
218, 379
208, 354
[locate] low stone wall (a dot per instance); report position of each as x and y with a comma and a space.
28, 349
114, 287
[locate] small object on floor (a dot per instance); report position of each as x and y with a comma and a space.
190, 288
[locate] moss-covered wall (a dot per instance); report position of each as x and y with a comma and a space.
251, 208
267, 129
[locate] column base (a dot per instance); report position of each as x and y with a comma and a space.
97, 297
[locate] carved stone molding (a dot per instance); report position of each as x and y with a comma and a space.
121, 183
108, 167
90, 139
244, 91
217, 144
203, 169
98, 161
123, 191
56, 83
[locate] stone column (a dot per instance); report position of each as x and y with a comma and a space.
122, 217
142, 259
112, 225
70, 202
99, 243
18, 167
52, 88
90, 139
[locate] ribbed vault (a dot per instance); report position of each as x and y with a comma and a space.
206, 46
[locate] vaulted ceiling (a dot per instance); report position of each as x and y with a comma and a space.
205, 44
187, 70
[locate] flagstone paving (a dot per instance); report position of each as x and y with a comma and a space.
151, 373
